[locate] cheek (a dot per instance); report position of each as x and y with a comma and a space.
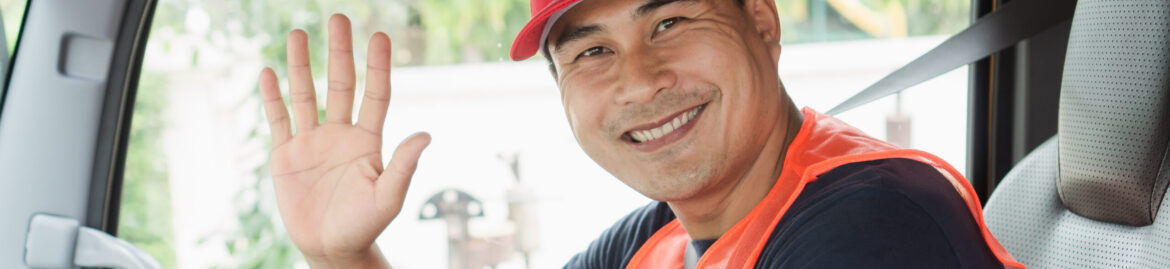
710, 55
585, 115
746, 100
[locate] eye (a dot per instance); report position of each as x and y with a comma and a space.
667, 23
592, 52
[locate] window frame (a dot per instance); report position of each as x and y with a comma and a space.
105, 192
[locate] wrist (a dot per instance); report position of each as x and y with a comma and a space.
370, 258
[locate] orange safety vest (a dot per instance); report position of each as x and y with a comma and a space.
823, 143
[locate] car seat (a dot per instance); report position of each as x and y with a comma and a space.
1091, 196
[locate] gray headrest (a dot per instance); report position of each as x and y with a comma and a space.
1113, 128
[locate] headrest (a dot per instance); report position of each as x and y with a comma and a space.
1114, 122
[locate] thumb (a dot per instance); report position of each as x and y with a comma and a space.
392, 183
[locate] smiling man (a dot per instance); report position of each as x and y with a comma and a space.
679, 99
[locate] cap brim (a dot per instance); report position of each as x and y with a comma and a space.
527, 42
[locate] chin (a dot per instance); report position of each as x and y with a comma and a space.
673, 186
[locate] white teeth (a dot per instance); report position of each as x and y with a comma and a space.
657, 132
637, 136
666, 128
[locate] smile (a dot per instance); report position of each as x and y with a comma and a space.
654, 135
666, 128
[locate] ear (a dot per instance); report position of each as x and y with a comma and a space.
552, 68
766, 20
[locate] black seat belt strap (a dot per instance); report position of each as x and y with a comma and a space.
1006, 26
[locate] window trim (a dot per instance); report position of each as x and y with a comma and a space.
105, 193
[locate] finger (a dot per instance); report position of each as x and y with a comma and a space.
274, 108
339, 108
300, 81
394, 181
377, 97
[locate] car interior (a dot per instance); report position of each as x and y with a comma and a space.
1068, 129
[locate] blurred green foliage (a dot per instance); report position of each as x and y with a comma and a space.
145, 217
13, 12
808, 21
470, 30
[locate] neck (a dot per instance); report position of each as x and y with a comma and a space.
712, 213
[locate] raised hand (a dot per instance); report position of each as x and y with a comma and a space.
333, 194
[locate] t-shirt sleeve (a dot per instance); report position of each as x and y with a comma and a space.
619, 243
894, 213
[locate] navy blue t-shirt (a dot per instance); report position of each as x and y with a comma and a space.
891, 213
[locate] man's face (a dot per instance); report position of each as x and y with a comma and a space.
670, 96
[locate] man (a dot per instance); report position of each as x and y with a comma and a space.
679, 99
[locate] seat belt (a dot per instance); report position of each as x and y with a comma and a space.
1002, 28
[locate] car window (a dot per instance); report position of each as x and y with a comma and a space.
12, 12
839, 47
197, 190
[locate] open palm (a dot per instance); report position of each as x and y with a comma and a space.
333, 194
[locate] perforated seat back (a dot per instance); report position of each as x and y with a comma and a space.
1026, 215
1092, 196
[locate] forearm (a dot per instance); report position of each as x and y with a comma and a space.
370, 259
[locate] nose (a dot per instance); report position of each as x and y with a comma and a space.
642, 76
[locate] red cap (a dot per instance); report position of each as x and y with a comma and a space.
531, 39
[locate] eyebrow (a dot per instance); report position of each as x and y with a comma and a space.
579, 32
575, 33
652, 5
